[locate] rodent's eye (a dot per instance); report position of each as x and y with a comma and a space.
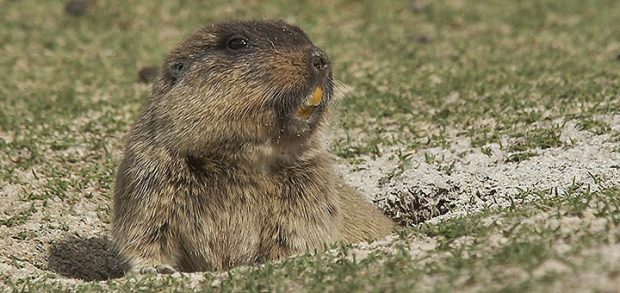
178, 68
237, 42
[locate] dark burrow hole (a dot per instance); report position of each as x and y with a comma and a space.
89, 259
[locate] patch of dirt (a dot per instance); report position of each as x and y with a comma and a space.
464, 180
66, 237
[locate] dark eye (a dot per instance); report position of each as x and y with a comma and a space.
236, 43
177, 69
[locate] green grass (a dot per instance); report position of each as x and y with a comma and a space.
595, 126
466, 255
506, 73
18, 219
486, 70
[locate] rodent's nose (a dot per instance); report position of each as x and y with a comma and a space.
319, 60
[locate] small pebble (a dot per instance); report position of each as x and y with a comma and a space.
77, 7
421, 39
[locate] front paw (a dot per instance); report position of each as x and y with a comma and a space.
155, 269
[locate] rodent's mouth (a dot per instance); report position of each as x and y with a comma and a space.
303, 113
311, 103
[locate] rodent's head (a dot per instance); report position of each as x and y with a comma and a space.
243, 82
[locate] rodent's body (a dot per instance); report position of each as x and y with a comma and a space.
225, 167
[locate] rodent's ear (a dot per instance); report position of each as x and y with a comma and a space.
177, 69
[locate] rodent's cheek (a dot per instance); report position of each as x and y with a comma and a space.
288, 70
206, 117
232, 99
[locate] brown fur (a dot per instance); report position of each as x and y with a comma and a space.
219, 172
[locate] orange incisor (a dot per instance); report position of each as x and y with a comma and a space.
313, 101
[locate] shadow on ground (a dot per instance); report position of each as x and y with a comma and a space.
92, 259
